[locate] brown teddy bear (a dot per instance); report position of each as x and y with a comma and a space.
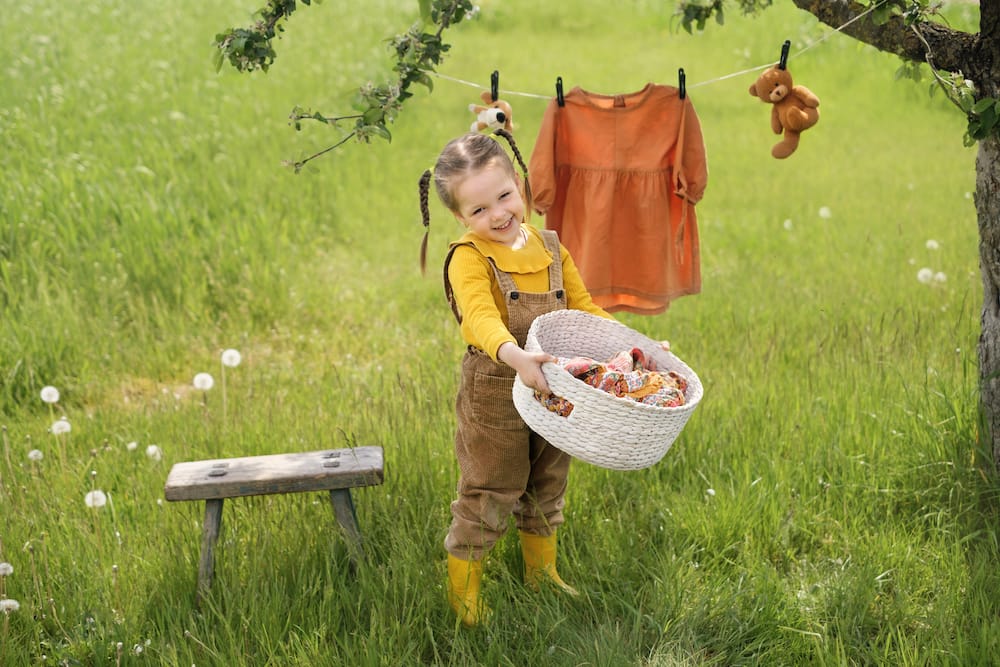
794, 109
495, 115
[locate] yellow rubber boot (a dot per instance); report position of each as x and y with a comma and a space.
464, 580
540, 562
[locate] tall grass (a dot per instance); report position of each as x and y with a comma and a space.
829, 502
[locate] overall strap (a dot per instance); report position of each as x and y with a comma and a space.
503, 279
551, 240
448, 291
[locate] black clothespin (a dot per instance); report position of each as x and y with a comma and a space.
495, 85
784, 54
559, 92
682, 82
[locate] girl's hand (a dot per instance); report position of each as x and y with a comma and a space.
527, 364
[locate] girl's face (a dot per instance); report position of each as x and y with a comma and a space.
489, 203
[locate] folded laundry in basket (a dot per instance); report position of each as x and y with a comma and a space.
626, 375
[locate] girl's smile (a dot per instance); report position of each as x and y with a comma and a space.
489, 203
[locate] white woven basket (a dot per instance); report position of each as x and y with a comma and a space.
605, 430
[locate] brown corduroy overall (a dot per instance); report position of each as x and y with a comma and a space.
505, 468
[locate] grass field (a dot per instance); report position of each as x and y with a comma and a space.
829, 502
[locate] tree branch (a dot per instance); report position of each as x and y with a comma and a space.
951, 50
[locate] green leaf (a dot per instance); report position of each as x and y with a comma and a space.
988, 120
983, 104
373, 116
881, 14
382, 131
426, 80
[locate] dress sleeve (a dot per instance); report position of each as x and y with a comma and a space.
692, 176
472, 279
541, 166
577, 295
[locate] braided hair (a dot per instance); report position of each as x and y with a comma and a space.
468, 153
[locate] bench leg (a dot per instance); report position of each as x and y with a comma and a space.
343, 508
209, 535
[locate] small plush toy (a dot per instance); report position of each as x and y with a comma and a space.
493, 116
794, 109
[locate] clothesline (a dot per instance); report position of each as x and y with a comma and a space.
690, 85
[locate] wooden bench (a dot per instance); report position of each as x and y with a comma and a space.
333, 470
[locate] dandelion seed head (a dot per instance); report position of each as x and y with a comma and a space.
231, 358
154, 452
95, 499
203, 381
940, 277
8, 605
35, 455
825, 212
787, 224
932, 244
61, 426
132, 446
6, 569
925, 275
50, 394
710, 492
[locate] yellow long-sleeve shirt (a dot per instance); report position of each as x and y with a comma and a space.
477, 293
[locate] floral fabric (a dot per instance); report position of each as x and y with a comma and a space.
625, 375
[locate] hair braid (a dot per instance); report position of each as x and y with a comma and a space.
425, 216
524, 168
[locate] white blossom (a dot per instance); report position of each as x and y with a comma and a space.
825, 212
925, 275
6, 569
35, 455
132, 446
61, 426
154, 452
8, 605
50, 394
203, 381
932, 244
231, 358
95, 499
940, 277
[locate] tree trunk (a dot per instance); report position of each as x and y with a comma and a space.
988, 212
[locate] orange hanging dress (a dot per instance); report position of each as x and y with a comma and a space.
618, 177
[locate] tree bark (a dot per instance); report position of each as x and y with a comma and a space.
988, 213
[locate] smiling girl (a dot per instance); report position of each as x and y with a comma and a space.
499, 276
